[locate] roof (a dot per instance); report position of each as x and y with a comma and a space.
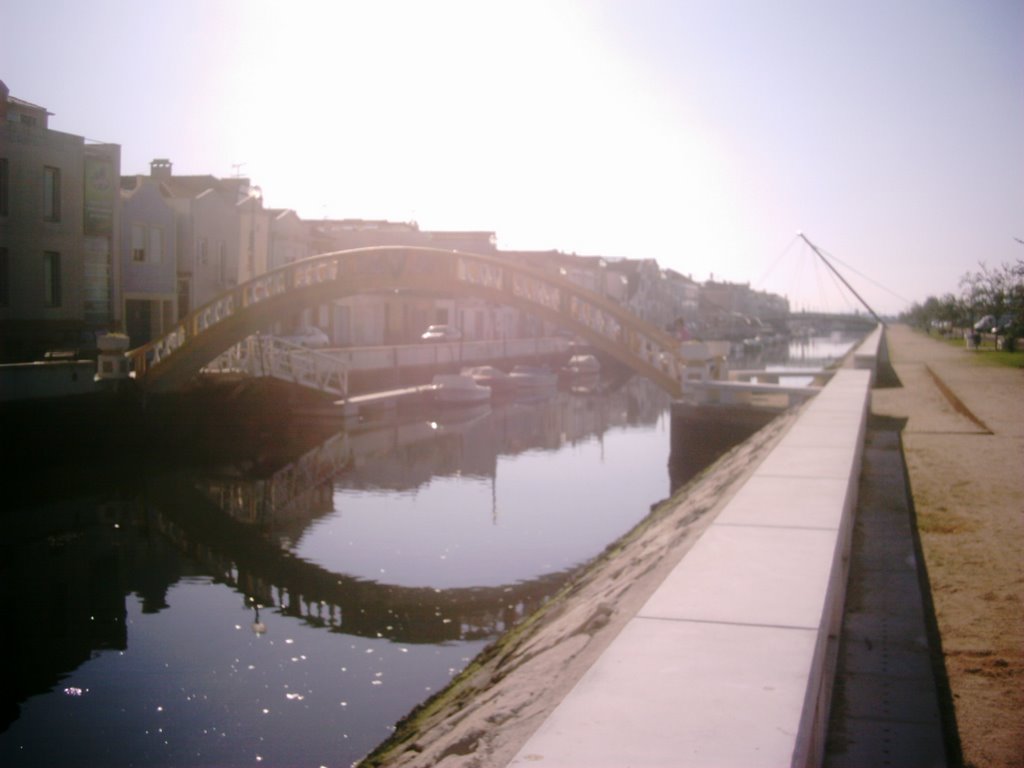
132, 184
26, 104
367, 224
194, 186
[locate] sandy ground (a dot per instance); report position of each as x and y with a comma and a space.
964, 448
496, 704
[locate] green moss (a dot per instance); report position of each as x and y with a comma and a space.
488, 663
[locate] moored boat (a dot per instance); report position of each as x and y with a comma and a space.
456, 389
489, 376
533, 377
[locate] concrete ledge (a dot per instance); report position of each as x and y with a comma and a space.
872, 351
731, 660
46, 379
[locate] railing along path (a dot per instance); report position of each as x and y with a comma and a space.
271, 356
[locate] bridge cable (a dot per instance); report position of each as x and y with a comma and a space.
843, 295
850, 287
865, 277
774, 264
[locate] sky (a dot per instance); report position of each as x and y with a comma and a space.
705, 134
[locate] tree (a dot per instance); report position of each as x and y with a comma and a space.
998, 292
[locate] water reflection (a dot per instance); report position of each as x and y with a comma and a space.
287, 605
412, 502
178, 615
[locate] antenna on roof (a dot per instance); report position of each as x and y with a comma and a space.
236, 169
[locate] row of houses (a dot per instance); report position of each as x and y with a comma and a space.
85, 249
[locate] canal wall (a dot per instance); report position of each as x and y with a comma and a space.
707, 636
742, 635
47, 379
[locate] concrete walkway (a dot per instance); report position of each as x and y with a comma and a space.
732, 661
729, 662
963, 444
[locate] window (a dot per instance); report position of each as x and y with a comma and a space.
3, 186
138, 242
51, 279
184, 296
166, 315
5, 279
201, 254
147, 244
156, 245
51, 194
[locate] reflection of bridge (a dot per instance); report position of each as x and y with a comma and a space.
242, 557
170, 361
232, 523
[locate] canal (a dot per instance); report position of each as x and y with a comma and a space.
288, 603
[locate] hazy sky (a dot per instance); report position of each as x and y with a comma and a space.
702, 133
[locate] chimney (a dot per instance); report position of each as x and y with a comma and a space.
160, 168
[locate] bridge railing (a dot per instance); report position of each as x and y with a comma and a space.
270, 356
259, 289
615, 329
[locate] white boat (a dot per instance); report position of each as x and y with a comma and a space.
456, 389
489, 376
533, 377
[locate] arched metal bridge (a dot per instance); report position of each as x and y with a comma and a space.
172, 360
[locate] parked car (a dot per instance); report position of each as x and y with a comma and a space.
308, 336
1003, 325
441, 333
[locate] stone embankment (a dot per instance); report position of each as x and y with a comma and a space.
553, 671
491, 709
962, 441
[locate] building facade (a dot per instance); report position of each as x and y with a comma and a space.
84, 251
59, 232
208, 232
148, 258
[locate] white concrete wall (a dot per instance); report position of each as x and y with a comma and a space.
731, 660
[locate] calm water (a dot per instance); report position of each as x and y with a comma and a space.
289, 610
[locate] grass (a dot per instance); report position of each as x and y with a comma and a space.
987, 355
1000, 358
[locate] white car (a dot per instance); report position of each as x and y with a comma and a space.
310, 337
441, 333
985, 324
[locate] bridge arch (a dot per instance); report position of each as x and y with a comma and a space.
170, 361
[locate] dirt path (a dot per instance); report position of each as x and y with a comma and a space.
964, 448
